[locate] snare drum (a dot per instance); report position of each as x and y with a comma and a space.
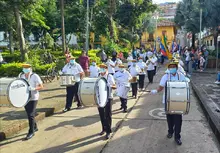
67, 80
93, 92
18, 94
177, 98
122, 90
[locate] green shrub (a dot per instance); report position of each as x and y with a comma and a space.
10, 70
10, 58
13, 69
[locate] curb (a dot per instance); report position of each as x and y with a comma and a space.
18, 126
210, 115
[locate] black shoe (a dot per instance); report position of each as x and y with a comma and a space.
66, 109
125, 110
135, 97
101, 133
36, 129
107, 135
29, 136
178, 141
120, 108
169, 136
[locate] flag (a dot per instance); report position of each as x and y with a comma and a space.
164, 49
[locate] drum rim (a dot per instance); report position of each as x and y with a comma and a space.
28, 92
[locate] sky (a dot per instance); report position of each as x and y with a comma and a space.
163, 1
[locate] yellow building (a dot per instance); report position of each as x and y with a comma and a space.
163, 26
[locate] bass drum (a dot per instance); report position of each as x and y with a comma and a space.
18, 93
4, 82
177, 97
93, 92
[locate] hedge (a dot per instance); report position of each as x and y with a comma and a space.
13, 69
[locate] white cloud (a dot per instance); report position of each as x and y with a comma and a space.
163, 1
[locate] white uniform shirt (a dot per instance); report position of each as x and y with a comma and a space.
75, 70
167, 77
123, 77
143, 55
118, 61
94, 71
150, 66
34, 80
134, 70
129, 59
111, 82
110, 68
142, 65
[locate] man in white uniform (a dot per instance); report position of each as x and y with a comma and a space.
150, 66
143, 67
35, 85
122, 78
174, 120
111, 66
105, 113
118, 62
134, 71
129, 59
73, 68
94, 70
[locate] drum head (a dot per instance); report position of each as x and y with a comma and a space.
101, 92
18, 93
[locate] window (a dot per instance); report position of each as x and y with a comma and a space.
211, 43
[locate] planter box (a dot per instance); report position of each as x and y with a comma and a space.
212, 63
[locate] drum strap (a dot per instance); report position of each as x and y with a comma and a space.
28, 77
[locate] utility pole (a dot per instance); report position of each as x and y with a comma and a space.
87, 27
200, 33
63, 26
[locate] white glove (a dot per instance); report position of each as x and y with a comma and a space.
153, 92
60, 73
31, 88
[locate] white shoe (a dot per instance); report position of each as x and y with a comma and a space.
217, 82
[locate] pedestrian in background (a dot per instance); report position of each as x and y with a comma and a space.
206, 56
84, 62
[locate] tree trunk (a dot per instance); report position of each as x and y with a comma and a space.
111, 11
63, 26
20, 34
11, 45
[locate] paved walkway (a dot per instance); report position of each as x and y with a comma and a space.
142, 130
209, 95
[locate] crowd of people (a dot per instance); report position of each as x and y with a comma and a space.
121, 75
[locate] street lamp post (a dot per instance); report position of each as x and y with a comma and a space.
200, 33
218, 40
87, 26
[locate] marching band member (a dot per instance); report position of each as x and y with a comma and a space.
142, 66
94, 70
129, 59
118, 62
134, 71
150, 66
105, 113
73, 68
111, 66
36, 84
122, 78
174, 120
